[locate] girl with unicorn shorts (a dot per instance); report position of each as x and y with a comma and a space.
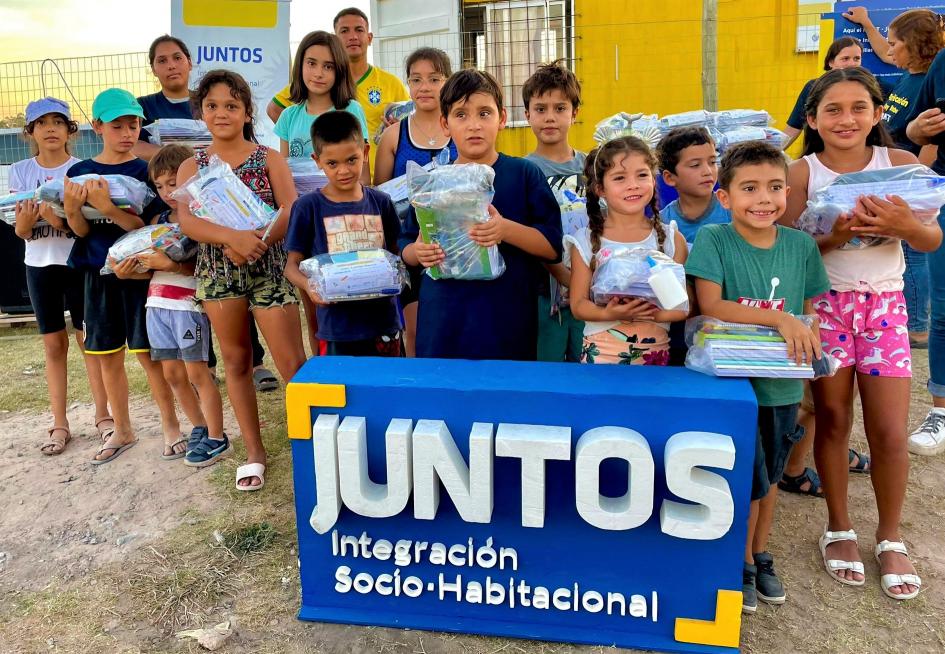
621, 172
863, 321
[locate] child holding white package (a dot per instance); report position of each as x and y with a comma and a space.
345, 216
622, 172
53, 286
241, 270
863, 321
114, 307
179, 331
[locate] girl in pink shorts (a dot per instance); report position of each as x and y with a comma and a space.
863, 322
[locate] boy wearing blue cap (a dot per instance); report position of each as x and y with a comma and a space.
115, 316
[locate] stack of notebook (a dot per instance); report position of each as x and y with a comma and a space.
733, 350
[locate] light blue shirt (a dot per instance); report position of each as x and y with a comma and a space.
295, 127
715, 214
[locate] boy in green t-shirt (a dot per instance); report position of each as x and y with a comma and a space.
755, 271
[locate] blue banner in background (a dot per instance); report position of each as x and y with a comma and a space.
882, 13
591, 504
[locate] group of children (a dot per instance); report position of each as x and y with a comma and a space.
744, 261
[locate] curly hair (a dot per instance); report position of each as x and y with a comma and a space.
598, 162
922, 31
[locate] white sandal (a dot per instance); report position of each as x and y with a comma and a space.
250, 470
833, 566
890, 580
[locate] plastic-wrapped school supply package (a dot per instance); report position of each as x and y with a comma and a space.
625, 273
185, 131
735, 118
217, 195
726, 139
697, 118
725, 349
166, 238
624, 124
127, 193
918, 185
8, 205
449, 201
394, 113
360, 275
306, 175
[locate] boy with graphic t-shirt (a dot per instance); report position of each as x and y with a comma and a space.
552, 96
341, 217
756, 271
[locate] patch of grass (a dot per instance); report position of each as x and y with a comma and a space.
253, 538
23, 361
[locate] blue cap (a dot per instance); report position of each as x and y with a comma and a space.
39, 108
111, 104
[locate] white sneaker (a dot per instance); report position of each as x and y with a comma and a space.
929, 438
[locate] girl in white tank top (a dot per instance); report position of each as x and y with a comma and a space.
863, 321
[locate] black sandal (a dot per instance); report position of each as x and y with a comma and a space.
862, 462
791, 484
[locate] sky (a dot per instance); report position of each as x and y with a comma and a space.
37, 29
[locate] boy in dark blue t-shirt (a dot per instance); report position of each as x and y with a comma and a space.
345, 216
495, 319
115, 307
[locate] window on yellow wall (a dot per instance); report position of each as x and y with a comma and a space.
510, 38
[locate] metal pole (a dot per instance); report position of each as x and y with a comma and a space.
710, 15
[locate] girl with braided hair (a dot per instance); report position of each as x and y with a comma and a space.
622, 174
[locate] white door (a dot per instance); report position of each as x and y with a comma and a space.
402, 26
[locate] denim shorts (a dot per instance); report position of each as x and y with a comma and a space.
777, 433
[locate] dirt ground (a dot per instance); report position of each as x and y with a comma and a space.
119, 558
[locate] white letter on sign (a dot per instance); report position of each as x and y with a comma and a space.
437, 459
634, 507
711, 517
325, 450
358, 492
533, 444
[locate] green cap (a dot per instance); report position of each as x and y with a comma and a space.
115, 103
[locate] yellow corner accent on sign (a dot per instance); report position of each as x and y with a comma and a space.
300, 397
723, 631
231, 13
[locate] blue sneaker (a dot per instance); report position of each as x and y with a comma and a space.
207, 451
197, 434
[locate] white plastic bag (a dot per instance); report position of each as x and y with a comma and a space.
127, 193
735, 118
625, 273
449, 201
725, 349
185, 131
726, 139
165, 237
216, 194
306, 175
360, 275
918, 185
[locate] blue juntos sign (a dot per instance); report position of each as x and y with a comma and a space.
591, 504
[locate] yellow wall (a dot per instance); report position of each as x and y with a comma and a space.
646, 55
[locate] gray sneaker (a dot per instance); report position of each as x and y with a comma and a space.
749, 593
929, 438
769, 587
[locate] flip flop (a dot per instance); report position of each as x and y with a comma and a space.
117, 452
862, 462
250, 470
264, 380
173, 456
55, 446
105, 433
